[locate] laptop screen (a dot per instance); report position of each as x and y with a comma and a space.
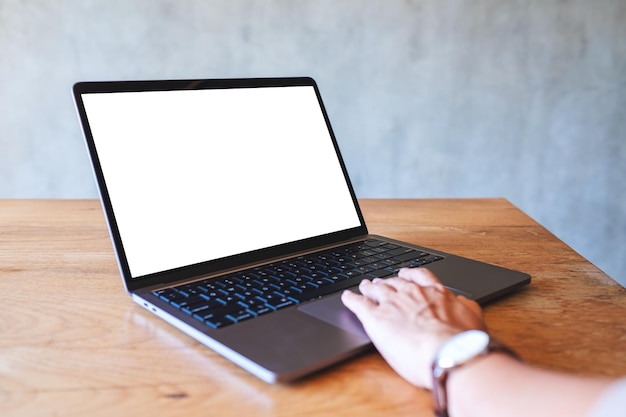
199, 175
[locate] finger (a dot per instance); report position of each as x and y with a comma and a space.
401, 284
420, 276
377, 290
356, 303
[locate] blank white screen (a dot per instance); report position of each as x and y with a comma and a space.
197, 175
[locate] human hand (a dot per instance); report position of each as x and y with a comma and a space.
409, 317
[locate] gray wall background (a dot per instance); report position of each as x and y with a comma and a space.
524, 99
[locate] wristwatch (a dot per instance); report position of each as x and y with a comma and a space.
457, 351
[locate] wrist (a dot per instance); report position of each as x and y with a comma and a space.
474, 383
456, 355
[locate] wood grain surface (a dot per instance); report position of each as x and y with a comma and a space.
72, 343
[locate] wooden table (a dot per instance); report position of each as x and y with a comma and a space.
72, 343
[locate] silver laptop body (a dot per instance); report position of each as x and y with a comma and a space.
229, 182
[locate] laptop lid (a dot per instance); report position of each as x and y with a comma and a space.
198, 176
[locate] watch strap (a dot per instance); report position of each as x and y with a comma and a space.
440, 375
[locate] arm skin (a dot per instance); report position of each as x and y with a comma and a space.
409, 317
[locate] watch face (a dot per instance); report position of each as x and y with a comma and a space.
462, 347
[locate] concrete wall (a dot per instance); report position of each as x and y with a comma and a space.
524, 99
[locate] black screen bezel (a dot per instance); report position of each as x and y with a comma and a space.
222, 264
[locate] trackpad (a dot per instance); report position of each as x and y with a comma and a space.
332, 311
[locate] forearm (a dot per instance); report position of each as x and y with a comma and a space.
499, 385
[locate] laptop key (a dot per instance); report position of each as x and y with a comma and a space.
380, 273
218, 322
169, 295
198, 308
240, 315
222, 311
427, 260
346, 275
276, 301
259, 309
327, 289
186, 301
407, 256
288, 292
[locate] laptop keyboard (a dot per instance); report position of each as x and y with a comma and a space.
243, 295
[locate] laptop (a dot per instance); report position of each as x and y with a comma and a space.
233, 218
